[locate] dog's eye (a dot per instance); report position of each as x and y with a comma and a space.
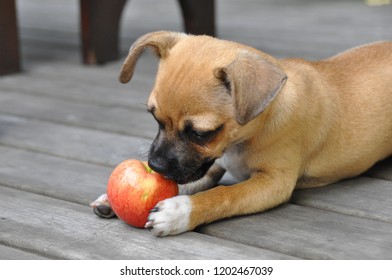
161, 126
200, 137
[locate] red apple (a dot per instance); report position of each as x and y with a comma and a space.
134, 189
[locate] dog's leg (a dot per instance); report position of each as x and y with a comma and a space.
182, 213
209, 180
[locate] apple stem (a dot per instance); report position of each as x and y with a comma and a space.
149, 170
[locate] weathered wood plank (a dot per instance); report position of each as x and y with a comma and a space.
310, 31
104, 76
52, 176
361, 197
116, 119
81, 144
309, 233
145, 71
32, 15
9, 253
60, 229
110, 94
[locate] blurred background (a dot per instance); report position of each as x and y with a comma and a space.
308, 28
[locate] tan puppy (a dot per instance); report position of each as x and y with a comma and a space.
273, 124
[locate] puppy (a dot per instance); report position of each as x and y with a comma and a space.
274, 124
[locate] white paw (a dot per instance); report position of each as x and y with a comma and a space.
170, 216
101, 200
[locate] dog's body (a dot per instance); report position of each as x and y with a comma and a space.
273, 124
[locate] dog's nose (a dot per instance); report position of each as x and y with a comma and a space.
158, 164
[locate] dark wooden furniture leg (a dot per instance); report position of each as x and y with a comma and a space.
100, 20
9, 44
199, 16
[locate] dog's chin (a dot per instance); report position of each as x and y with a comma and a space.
189, 175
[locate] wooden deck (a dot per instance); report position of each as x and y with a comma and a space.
63, 127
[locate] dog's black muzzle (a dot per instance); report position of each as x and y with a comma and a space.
177, 161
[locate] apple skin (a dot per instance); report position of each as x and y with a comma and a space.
134, 189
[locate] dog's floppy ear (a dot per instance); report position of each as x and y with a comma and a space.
161, 42
253, 83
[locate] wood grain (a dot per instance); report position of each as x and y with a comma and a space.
66, 230
362, 197
82, 144
9, 253
135, 122
309, 233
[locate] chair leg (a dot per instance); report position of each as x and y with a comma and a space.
100, 21
199, 16
9, 44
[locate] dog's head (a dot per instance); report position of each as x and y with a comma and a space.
206, 94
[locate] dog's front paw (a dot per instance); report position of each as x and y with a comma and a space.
101, 207
170, 216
